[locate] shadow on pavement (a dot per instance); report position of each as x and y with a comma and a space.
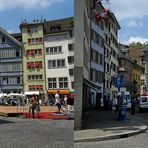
106, 120
5, 121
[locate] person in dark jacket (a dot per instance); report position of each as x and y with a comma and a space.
133, 105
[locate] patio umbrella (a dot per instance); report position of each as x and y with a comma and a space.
12, 95
3, 95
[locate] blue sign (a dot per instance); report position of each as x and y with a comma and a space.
118, 81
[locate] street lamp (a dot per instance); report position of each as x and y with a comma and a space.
119, 83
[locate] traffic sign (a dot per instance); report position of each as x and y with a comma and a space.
118, 81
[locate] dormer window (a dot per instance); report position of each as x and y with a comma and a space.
55, 28
3, 39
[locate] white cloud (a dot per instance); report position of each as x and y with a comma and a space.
129, 8
134, 24
135, 39
13, 31
26, 4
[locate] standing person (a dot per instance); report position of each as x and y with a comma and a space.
133, 105
33, 102
115, 104
58, 101
38, 106
65, 100
119, 106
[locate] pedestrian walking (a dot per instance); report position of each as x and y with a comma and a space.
133, 105
38, 106
58, 101
33, 104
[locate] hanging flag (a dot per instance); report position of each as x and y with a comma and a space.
101, 15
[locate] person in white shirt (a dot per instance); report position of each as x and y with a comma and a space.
115, 103
65, 100
58, 101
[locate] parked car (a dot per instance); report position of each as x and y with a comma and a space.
143, 103
126, 99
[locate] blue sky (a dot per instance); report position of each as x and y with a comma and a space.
132, 15
13, 11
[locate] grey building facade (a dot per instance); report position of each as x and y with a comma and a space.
11, 70
89, 57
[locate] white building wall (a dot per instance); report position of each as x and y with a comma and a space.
59, 72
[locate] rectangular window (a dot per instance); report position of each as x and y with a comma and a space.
71, 72
60, 49
17, 53
47, 50
63, 82
30, 64
56, 49
18, 80
40, 51
29, 78
55, 28
71, 47
36, 52
29, 41
51, 63
40, 40
52, 83
71, 59
36, 64
28, 29
32, 52
3, 39
34, 77
56, 63
35, 40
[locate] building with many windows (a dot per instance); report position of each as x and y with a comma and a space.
33, 56
82, 58
111, 51
132, 77
11, 71
89, 58
59, 56
113, 41
96, 57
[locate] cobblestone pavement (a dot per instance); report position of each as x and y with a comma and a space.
138, 141
31, 133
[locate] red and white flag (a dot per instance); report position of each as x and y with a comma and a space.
101, 15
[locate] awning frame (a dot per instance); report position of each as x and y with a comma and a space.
92, 85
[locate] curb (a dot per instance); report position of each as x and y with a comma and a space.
9, 114
110, 137
3, 114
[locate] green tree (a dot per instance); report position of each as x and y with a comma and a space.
136, 44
